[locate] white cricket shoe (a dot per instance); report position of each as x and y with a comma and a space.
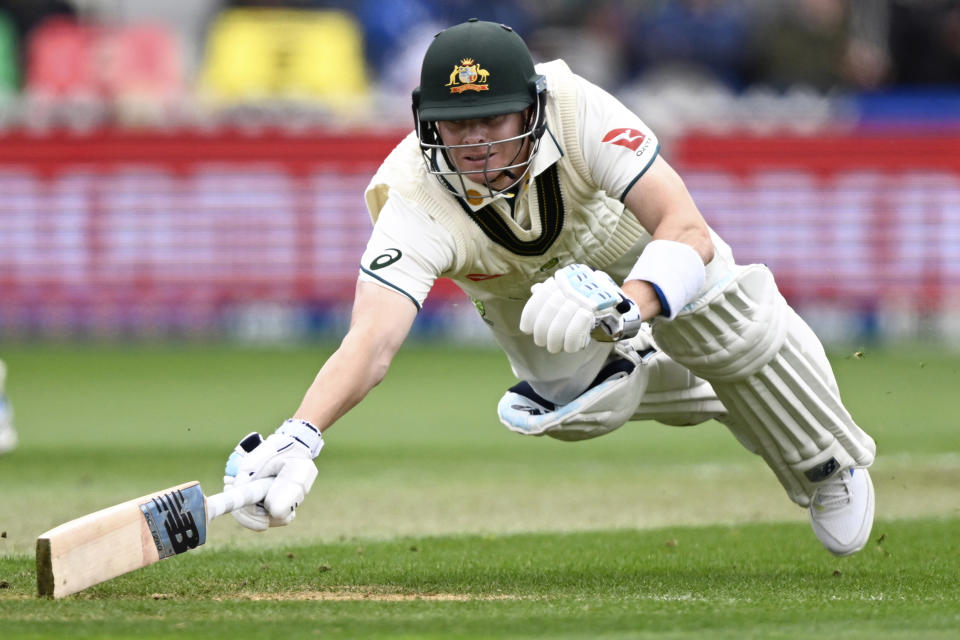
841, 511
8, 437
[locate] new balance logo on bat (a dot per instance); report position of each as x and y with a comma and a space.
180, 526
183, 520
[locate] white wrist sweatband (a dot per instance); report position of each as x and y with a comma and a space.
674, 269
304, 433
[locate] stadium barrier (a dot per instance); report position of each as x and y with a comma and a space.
120, 232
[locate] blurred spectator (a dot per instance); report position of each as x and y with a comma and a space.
518, 14
925, 42
9, 58
405, 29
702, 37
866, 62
590, 36
187, 19
810, 43
27, 14
76, 71
803, 44
268, 53
719, 48
396, 39
397, 35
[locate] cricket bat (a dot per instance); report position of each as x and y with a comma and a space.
107, 543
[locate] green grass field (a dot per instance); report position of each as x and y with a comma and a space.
430, 520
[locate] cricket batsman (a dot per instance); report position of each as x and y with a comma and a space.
548, 202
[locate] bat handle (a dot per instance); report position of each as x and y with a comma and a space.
233, 499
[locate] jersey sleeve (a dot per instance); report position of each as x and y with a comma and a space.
407, 251
617, 146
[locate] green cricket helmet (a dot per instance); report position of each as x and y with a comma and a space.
473, 70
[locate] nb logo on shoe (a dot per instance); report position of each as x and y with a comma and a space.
533, 411
822, 471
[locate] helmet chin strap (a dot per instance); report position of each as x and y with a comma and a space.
509, 172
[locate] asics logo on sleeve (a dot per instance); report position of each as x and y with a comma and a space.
625, 137
385, 259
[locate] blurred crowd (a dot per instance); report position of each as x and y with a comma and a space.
361, 57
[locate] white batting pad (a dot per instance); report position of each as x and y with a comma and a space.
769, 370
675, 396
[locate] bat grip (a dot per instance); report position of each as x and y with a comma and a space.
235, 498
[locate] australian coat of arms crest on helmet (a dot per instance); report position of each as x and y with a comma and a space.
468, 76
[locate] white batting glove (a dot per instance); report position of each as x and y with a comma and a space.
564, 310
286, 455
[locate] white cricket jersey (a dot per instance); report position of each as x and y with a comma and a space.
411, 246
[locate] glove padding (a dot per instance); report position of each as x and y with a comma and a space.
287, 455
563, 311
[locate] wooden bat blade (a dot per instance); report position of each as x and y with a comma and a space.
119, 539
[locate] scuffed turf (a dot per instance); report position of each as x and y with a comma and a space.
761, 580
430, 520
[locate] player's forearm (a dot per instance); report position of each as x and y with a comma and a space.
671, 268
381, 320
343, 381
662, 204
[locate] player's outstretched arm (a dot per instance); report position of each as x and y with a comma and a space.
380, 323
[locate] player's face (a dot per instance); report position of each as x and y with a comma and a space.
484, 162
